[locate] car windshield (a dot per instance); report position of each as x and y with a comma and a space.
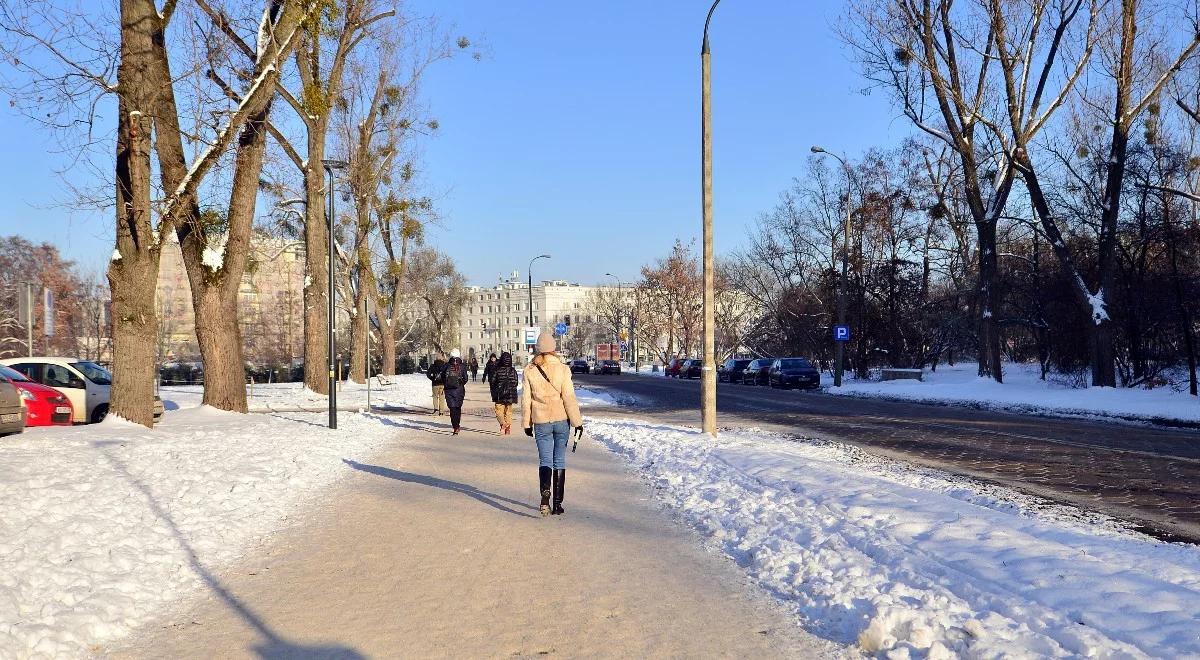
741, 364
795, 364
94, 372
12, 374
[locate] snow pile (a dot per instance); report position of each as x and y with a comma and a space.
1022, 390
913, 563
588, 397
105, 524
400, 391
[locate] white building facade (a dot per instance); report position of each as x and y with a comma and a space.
494, 318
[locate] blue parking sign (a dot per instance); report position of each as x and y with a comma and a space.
560, 329
841, 333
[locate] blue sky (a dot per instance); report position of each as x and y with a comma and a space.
578, 132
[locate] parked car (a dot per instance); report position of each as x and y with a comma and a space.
87, 384
12, 410
44, 406
731, 370
794, 372
608, 367
579, 366
673, 367
692, 369
757, 372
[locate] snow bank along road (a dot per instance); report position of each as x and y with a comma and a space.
909, 562
1147, 475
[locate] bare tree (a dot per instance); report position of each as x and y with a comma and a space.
1139, 77
434, 280
329, 39
937, 60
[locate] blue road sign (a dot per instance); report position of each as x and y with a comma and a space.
624, 346
560, 329
841, 333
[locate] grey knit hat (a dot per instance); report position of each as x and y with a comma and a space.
546, 343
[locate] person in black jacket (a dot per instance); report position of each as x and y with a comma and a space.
489, 367
454, 384
504, 391
439, 391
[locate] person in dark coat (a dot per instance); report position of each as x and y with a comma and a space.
504, 391
435, 378
473, 366
489, 367
454, 384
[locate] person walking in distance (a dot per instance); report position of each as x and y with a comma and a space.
549, 410
490, 366
454, 384
439, 390
504, 391
473, 366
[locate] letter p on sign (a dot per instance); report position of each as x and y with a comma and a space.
841, 333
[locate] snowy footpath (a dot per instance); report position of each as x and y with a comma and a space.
905, 562
434, 548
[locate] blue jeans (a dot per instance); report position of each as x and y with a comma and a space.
551, 439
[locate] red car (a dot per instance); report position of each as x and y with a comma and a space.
672, 370
44, 406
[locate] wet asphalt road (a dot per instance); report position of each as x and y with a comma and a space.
1149, 476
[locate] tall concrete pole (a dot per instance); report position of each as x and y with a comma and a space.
708, 381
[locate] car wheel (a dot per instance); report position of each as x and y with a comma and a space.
99, 413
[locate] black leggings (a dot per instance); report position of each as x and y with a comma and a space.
455, 416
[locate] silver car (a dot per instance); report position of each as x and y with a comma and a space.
12, 410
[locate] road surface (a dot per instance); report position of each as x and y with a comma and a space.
1148, 476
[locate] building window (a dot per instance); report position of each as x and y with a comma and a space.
470, 335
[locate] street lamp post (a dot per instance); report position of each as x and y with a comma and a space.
529, 272
840, 348
331, 339
708, 382
620, 310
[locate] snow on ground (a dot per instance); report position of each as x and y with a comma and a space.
1023, 391
103, 525
588, 397
407, 389
907, 562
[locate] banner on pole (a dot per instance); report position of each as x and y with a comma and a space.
48, 311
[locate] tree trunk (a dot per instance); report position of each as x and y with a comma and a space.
133, 270
358, 337
989, 330
316, 281
387, 346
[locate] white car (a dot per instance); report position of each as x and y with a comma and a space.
87, 384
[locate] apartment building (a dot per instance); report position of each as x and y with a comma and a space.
494, 318
270, 303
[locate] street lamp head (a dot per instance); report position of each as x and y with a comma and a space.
817, 150
543, 256
331, 164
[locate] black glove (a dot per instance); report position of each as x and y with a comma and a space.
578, 433
529, 431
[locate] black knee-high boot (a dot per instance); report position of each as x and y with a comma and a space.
544, 476
560, 480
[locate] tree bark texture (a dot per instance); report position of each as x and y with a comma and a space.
133, 270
